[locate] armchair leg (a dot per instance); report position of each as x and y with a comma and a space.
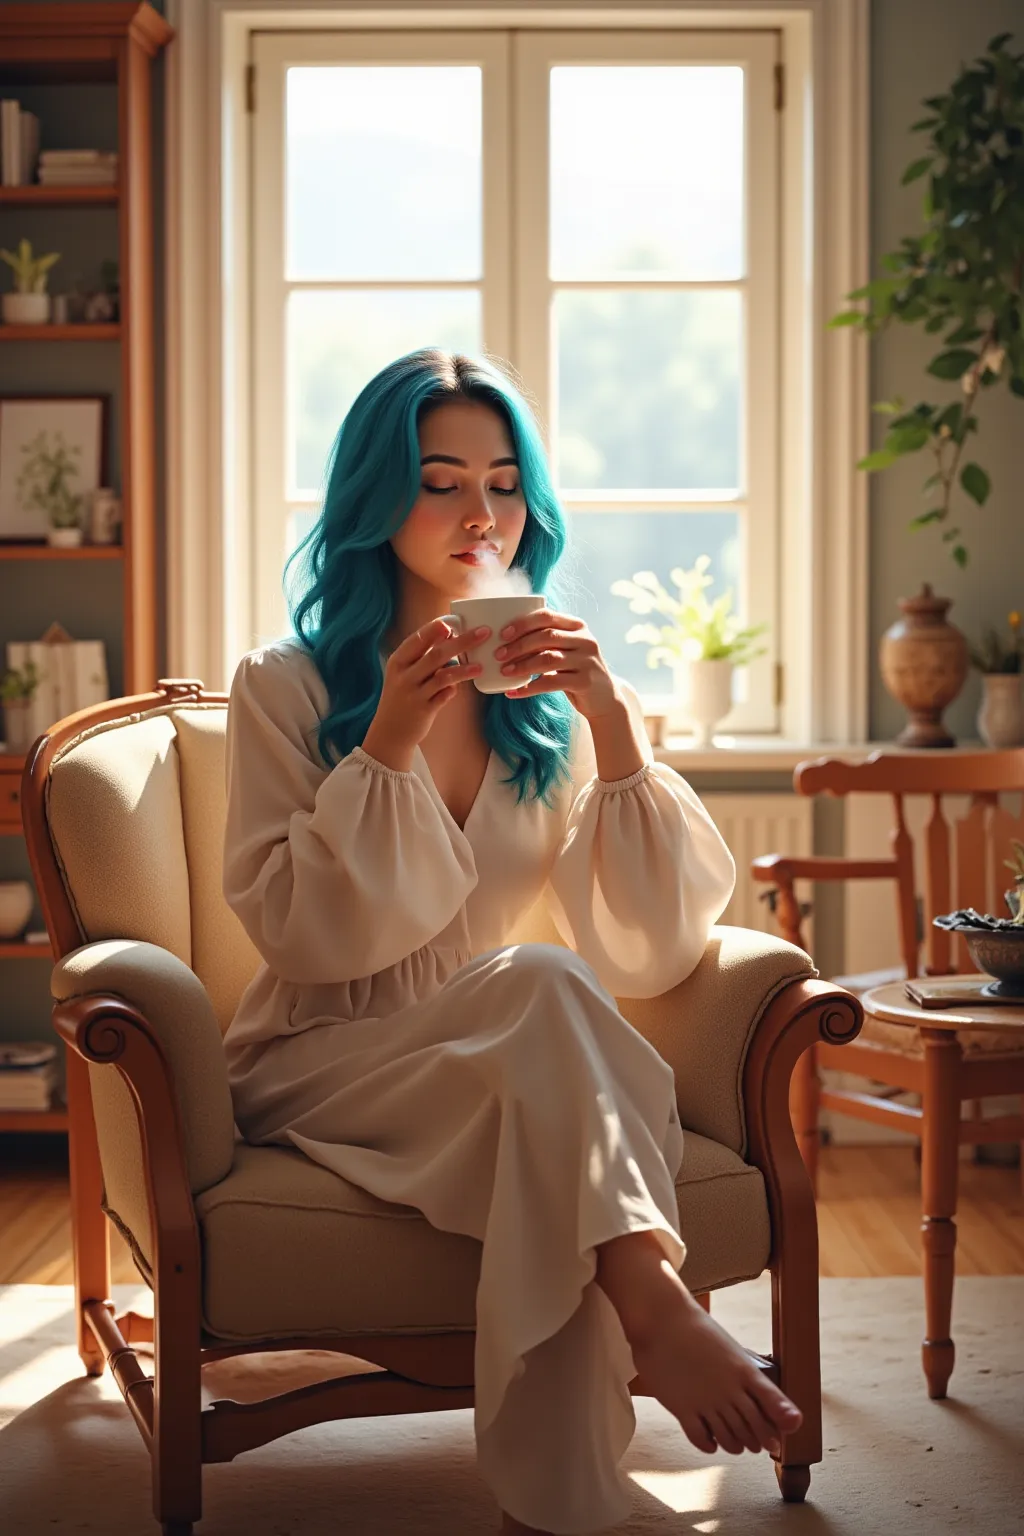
805, 1107
794, 1481
89, 1230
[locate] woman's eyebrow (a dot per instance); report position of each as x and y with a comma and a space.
447, 458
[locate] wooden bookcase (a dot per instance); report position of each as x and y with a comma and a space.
66, 46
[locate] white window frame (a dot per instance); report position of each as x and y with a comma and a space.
514, 134
823, 390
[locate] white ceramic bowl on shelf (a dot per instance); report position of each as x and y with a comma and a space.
16, 902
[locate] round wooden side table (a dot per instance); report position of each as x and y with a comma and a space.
939, 1029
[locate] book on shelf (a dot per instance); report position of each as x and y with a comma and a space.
77, 168
19, 144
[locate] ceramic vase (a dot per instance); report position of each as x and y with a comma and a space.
706, 687
923, 661
1001, 716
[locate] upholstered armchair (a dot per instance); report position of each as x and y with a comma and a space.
123, 807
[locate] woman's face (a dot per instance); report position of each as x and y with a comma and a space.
469, 515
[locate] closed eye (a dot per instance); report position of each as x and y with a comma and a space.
444, 490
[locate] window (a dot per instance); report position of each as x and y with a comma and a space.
599, 208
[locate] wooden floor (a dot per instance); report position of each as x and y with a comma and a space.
868, 1212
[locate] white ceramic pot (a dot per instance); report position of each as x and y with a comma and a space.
707, 690
64, 538
16, 735
16, 902
1001, 716
26, 308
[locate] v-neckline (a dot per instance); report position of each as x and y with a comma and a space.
476, 798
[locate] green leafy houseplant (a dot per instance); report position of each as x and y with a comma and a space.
962, 276
44, 481
697, 628
30, 272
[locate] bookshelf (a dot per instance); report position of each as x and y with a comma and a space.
86, 70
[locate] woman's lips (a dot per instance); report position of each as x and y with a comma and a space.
476, 557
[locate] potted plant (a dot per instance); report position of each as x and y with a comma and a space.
29, 304
1001, 716
961, 276
703, 641
45, 484
17, 690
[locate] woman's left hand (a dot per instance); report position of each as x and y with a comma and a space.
566, 656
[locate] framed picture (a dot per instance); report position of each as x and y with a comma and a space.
52, 452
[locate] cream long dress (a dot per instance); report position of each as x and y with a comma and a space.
393, 1035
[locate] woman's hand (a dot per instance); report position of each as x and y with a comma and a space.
420, 677
568, 659
565, 654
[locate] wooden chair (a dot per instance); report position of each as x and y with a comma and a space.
123, 807
963, 866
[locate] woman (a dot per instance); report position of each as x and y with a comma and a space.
379, 857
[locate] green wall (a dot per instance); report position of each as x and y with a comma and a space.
916, 49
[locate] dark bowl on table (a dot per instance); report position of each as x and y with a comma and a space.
999, 952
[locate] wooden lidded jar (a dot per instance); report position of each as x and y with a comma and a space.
924, 665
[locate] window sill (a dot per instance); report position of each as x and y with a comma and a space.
771, 754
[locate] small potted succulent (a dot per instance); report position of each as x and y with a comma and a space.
17, 690
45, 484
29, 304
703, 641
1001, 716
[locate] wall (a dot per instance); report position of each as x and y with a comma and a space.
917, 47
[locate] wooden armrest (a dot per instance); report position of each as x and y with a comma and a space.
107, 1031
784, 867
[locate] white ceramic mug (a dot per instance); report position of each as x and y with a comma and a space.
470, 613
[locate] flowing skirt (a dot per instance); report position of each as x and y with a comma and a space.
518, 1107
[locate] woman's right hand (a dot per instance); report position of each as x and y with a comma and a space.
418, 683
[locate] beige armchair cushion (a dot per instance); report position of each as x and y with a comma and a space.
289, 1248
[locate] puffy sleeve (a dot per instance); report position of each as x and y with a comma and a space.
641, 875
335, 873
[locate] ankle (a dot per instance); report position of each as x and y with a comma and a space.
641, 1284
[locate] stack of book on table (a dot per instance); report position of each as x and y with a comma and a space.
28, 1074
77, 168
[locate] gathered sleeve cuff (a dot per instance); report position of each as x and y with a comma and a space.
641, 875
334, 873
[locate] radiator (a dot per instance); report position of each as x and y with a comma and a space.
755, 824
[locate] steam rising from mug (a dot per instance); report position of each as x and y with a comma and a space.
489, 580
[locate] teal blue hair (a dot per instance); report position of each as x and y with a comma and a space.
345, 585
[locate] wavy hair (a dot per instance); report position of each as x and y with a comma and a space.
342, 580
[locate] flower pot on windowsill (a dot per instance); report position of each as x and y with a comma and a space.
26, 308
706, 686
64, 538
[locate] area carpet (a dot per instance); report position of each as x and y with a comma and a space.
71, 1459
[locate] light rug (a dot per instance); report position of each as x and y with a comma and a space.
71, 1459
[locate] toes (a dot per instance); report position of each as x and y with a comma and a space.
723, 1432
783, 1414
733, 1414
764, 1429
698, 1434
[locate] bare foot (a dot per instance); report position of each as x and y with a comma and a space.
702, 1376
